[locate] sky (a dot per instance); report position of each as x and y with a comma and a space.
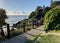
22, 7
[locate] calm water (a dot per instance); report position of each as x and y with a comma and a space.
12, 19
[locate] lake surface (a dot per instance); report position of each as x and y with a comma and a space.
12, 19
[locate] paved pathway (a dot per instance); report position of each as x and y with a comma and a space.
24, 37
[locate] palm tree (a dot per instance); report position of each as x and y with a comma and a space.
3, 16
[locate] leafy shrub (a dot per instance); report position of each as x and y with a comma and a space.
16, 32
2, 38
49, 39
52, 19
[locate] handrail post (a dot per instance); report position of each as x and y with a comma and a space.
33, 24
8, 31
24, 27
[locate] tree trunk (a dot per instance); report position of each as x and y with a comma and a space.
2, 32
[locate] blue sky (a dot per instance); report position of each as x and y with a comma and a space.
22, 7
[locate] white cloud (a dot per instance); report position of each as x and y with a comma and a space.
16, 13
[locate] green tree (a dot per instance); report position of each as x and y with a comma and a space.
39, 12
52, 19
32, 15
46, 10
55, 3
3, 16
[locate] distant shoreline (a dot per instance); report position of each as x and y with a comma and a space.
12, 19
17, 15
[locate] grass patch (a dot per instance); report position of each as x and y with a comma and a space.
49, 39
2, 38
55, 31
32, 41
16, 32
28, 28
46, 39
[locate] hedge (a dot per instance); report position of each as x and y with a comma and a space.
52, 19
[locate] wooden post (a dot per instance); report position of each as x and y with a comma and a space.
33, 24
24, 27
8, 31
